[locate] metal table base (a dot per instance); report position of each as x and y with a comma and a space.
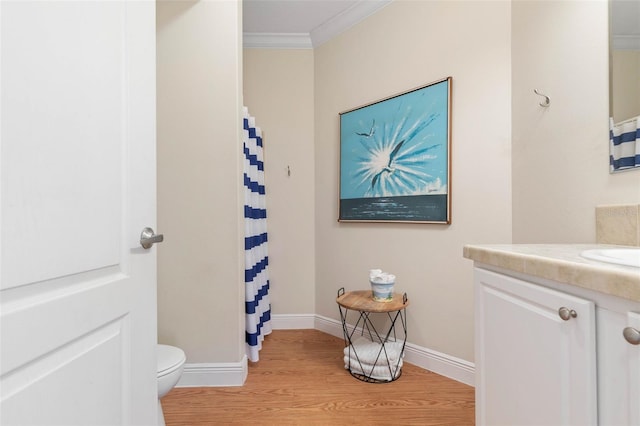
384, 368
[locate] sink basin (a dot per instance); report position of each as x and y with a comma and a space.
622, 256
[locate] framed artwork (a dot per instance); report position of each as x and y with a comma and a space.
395, 158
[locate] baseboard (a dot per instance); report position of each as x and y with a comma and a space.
445, 365
214, 374
235, 374
293, 322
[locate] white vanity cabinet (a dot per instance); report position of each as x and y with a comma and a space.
532, 366
618, 367
549, 353
633, 370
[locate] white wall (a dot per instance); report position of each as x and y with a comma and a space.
278, 90
405, 45
560, 153
200, 263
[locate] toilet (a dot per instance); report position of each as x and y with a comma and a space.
170, 364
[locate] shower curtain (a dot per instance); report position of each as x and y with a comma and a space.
624, 144
256, 259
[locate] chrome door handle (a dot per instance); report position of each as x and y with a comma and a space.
631, 335
566, 314
148, 238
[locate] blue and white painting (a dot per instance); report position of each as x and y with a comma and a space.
394, 158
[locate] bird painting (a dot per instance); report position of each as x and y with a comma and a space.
397, 147
372, 131
388, 168
394, 157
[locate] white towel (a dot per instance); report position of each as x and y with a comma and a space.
368, 351
624, 144
353, 362
378, 372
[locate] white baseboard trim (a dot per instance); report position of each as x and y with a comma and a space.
214, 374
329, 326
445, 365
293, 322
235, 374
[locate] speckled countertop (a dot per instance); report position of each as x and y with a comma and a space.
562, 263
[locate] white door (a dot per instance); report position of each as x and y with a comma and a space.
533, 367
77, 292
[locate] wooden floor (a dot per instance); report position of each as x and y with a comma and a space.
300, 380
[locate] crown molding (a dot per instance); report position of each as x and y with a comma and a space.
626, 42
345, 20
276, 41
319, 35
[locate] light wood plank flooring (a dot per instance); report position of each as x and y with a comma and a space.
300, 380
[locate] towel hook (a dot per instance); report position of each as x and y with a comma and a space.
546, 102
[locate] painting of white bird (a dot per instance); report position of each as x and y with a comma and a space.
395, 157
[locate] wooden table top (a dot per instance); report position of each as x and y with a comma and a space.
362, 300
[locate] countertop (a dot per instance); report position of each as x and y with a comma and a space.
562, 263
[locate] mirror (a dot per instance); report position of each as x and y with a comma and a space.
624, 84
625, 59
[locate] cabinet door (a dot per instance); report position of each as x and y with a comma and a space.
633, 352
618, 369
533, 367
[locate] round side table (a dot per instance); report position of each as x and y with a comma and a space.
374, 348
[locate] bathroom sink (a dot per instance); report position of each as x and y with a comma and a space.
621, 256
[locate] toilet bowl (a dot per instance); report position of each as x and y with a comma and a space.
170, 364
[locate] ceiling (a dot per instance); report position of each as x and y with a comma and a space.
625, 24
309, 23
301, 23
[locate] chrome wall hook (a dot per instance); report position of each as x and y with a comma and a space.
546, 102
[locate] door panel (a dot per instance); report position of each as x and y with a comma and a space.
59, 318
527, 357
62, 91
40, 381
77, 158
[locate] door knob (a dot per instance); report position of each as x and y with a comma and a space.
148, 238
631, 335
566, 314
